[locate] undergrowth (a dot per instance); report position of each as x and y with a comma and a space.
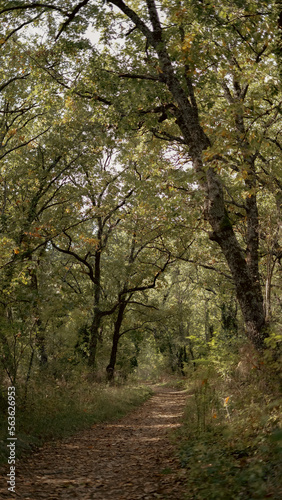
55, 410
231, 440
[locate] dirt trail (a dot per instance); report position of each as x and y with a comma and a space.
130, 459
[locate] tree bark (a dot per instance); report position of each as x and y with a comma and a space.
97, 315
111, 366
244, 270
94, 335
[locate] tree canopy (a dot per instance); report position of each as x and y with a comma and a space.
140, 170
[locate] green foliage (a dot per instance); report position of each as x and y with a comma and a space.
99, 202
151, 363
224, 353
206, 405
231, 440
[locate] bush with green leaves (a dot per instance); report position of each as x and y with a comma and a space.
231, 440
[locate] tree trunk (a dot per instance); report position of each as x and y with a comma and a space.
38, 325
244, 271
94, 335
97, 315
270, 265
274, 256
248, 292
8, 359
209, 329
40, 343
111, 366
190, 347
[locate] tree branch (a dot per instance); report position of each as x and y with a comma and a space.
68, 251
140, 77
21, 26
5, 84
71, 17
135, 19
34, 5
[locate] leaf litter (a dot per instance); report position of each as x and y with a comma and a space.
129, 459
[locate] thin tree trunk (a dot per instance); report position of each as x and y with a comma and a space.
94, 335
97, 316
40, 343
28, 376
38, 326
111, 366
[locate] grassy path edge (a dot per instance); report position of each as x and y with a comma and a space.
56, 414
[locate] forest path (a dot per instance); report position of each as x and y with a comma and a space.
130, 459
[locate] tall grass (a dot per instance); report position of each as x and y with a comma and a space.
54, 410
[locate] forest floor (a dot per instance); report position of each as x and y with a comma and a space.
130, 459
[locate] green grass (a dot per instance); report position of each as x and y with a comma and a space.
232, 449
54, 411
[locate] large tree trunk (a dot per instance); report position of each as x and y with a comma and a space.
244, 269
248, 292
243, 266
